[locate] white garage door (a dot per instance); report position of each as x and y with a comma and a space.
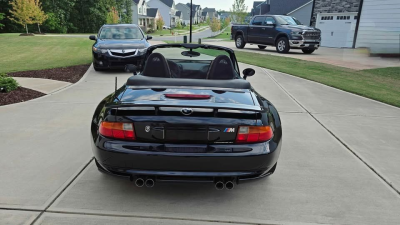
337, 29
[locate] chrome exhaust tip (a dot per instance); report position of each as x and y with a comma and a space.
150, 183
139, 182
219, 185
229, 185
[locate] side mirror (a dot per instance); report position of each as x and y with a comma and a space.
149, 37
130, 68
92, 37
248, 72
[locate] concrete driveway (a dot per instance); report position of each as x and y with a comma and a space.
357, 59
339, 164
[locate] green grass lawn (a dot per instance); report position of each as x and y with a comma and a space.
41, 52
225, 35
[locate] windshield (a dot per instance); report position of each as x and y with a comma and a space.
121, 33
288, 20
196, 63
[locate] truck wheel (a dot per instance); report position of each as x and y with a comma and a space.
282, 45
307, 50
261, 46
240, 41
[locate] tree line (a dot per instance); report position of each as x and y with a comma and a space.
62, 16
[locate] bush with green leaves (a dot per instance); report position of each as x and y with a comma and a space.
7, 83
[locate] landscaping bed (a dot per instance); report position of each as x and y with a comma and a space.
70, 74
19, 95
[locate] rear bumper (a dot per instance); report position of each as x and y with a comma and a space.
304, 44
185, 167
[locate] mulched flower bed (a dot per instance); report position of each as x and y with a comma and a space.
70, 74
18, 95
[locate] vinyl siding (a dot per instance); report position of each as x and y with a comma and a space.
379, 28
303, 14
163, 9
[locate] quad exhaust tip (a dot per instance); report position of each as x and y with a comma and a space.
139, 182
229, 185
219, 185
150, 183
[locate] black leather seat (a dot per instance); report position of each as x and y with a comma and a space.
156, 66
221, 69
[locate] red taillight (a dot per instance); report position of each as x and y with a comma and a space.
188, 96
117, 130
250, 134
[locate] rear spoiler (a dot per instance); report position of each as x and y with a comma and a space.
209, 105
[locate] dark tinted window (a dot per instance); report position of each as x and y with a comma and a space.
258, 20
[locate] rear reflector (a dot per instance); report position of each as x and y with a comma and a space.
188, 96
117, 130
251, 134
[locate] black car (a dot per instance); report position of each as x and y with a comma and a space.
187, 116
283, 32
119, 45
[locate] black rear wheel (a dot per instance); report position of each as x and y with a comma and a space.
239, 41
307, 50
282, 45
262, 46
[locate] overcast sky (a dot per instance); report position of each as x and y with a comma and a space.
217, 4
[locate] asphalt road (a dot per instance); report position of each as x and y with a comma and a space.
339, 164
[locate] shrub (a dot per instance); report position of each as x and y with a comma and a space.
7, 83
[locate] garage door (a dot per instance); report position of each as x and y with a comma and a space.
337, 29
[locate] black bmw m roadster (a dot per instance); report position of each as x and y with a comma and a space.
187, 115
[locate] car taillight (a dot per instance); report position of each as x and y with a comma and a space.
117, 130
250, 134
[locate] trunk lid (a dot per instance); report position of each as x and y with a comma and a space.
172, 116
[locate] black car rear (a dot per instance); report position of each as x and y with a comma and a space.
119, 45
180, 129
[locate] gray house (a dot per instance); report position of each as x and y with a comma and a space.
300, 9
185, 13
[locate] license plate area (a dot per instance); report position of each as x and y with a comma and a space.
197, 134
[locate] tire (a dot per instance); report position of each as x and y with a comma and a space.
307, 50
261, 46
239, 41
282, 45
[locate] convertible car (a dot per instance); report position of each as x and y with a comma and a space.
187, 115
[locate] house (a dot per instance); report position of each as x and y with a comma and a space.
300, 9
376, 28
153, 14
185, 13
225, 15
204, 16
167, 10
139, 9
196, 14
178, 16
212, 13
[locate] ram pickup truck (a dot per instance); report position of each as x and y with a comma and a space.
283, 32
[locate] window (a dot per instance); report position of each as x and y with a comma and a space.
356, 17
269, 20
348, 17
258, 20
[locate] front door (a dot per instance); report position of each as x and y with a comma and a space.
268, 31
254, 31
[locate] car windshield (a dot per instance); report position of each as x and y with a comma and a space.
199, 63
288, 20
121, 33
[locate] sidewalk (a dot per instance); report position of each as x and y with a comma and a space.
45, 86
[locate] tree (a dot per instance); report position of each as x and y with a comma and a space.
1, 18
112, 16
38, 14
208, 21
239, 11
22, 12
160, 23
178, 25
215, 25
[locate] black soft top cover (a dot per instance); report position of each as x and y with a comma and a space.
140, 80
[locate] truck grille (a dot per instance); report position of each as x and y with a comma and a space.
312, 35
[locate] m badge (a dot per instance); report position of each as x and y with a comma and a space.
229, 130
